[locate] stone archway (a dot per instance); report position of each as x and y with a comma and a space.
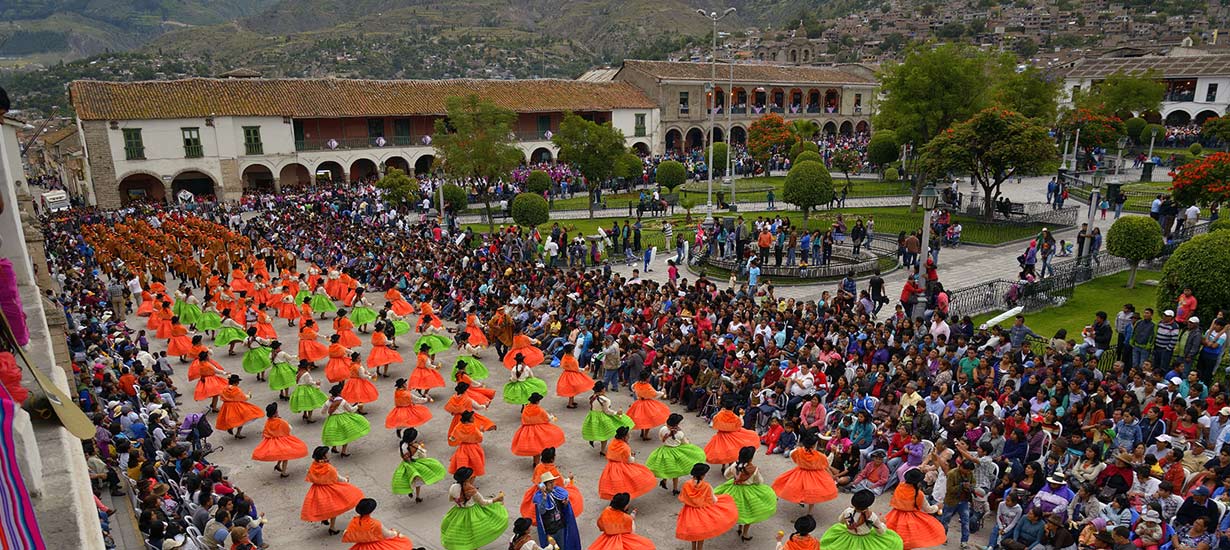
832, 100
718, 135
363, 169
330, 172
257, 178
674, 140
862, 127
1205, 115
141, 187
541, 154
738, 135
641, 148
830, 128
423, 164
847, 129
1178, 117
696, 139
397, 162
196, 182
294, 176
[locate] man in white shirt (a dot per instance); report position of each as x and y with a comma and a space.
801, 387
552, 251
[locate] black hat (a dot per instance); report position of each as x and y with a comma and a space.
463, 473
535, 397
805, 525
320, 453
862, 499
365, 506
674, 419
700, 469
408, 435
914, 476
620, 501
621, 432
461, 388
521, 526
271, 410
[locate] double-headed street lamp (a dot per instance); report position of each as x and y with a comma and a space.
714, 17
927, 199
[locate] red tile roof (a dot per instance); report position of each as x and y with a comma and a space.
334, 98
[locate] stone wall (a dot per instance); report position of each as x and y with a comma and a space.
102, 166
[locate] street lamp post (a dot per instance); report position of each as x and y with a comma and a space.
927, 199
1076, 151
1146, 170
714, 17
1066, 142
727, 100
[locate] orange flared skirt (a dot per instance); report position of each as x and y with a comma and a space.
625, 477
276, 449
425, 379
407, 417
234, 414
312, 350
208, 386
382, 355
477, 338
697, 524
337, 369
530, 440
349, 339
622, 541
399, 543
471, 455
573, 383
325, 502
360, 390
805, 486
651, 413
532, 356
179, 346
918, 529
724, 447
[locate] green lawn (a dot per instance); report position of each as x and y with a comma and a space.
1102, 294
888, 223
756, 189
1140, 195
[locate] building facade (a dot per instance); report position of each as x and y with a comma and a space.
840, 100
221, 137
1197, 86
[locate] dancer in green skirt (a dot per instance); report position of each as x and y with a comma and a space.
434, 342
858, 528
282, 374
416, 469
362, 314
522, 384
344, 424
474, 521
675, 458
210, 320
602, 421
230, 334
473, 367
755, 500
259, 357
307, 396
321, 303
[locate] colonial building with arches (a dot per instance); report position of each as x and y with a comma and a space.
839, 99
222, 137
1197, 84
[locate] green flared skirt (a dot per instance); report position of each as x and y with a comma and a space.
281, 376
343, 428
600, 426
435, 343
401, 327
192, 313
322, 304
518, 393
475, 368
302, 296
306, 398
362, 315
838, 537
226, 335
427, 470
756, 503
672, 462
209, 320
472, 527
257, 360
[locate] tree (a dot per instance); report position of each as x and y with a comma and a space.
530, 210
1148, 133
804, 129
1097, 130
1028, 92
846, 160
538, 182
1217, 128
687, 203
805, 156
1122, 93
591, 148
1202, 264
670, 174
883, 149
1135, 239
1134, 126
455, 198
720, 152
891, 175
1203, 181
808, 185
1195, 149
629, 166
474, 141
398, 187
767, 135
991, 146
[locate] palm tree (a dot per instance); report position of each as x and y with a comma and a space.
804, 129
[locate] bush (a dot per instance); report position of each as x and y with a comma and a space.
807, 156
802, 146
629, 166
883, 149
1134, 126
1220, 224
530, 210
1203, 264
1147, 132
1181, 159
808, 184
671, 174
720, 151
538, 182
1195, 149
1135, 239
891, 175
455, 198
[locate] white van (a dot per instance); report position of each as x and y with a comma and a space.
55, 201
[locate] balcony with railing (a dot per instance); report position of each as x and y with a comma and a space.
134, 152
194, 151
254, 148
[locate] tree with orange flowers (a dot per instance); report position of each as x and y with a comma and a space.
1204, 180
1097, 130
768, 135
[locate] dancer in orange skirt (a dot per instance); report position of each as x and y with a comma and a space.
811, 480
647, 412
359, 388
330, 495
426, 375
381, 356
277, 445
236, 411
480, 395
286, 306
621, 474
618, 526
398, 303
208, 374
309, 348
264, 323
704, 515
147, 305
731, 436
912, 516
338, 367
367, 533
344, 329
428, 320
537, 431
408, 410
524, 345
468, 439
801, 538
180, 344
546, 465
476, 337
461, 403
572, 381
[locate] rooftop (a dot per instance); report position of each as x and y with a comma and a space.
334, 98
1166, 66
749, 72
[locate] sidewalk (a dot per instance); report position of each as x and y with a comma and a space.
744, 207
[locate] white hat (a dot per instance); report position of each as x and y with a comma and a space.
1193, 319
1175, 380
1224, 410
1168, 313
547, 476
1165, 437
174, 542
